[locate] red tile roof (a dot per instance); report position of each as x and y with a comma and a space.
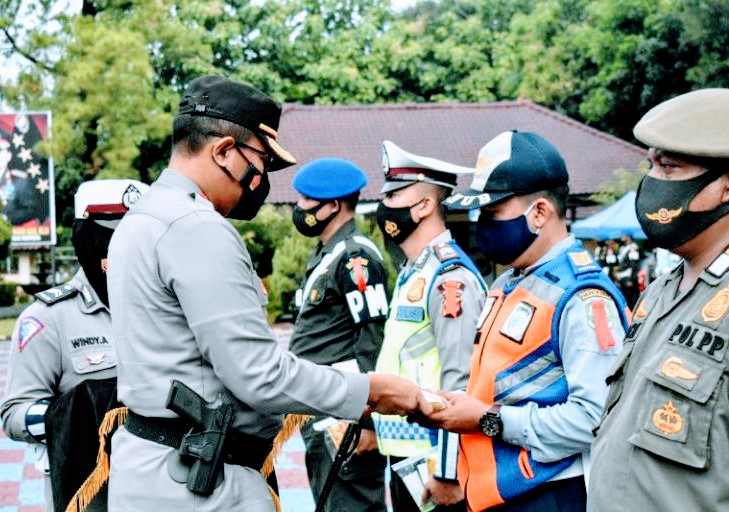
453, 132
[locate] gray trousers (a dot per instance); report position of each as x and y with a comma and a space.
360, 486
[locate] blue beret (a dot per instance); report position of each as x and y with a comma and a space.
329, 178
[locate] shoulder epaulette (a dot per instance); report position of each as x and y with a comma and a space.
720, 265
581, 262
445, 252
57, 294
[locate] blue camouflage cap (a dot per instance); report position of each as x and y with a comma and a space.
329, 178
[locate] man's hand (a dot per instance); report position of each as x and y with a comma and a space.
367, 442
443, 493
462, 415
392, 395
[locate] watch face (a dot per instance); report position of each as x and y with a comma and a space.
491, 425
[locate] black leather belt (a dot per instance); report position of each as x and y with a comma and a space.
240, 449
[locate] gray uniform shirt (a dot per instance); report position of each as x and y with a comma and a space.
188, 305
664, 439
54, 348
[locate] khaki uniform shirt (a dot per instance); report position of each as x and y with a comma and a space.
664, 439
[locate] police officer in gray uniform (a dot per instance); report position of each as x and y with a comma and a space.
343, 307
188, 306
664, 438
64, 339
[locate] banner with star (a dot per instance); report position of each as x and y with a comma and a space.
26, 179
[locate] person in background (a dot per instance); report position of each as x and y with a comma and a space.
342, 310
62, 370
432, 321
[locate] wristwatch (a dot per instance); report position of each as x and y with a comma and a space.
490, 423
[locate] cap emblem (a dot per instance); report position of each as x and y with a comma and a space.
391, 228
130, 196
664, 215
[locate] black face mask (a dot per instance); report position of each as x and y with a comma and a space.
91, 242
397, 224
251, 200
306, 222
662, 209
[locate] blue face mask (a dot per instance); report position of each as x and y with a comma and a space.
503, 241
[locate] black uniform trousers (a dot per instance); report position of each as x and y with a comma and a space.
360, 486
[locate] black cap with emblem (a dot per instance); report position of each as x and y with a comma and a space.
512, 163
242, 104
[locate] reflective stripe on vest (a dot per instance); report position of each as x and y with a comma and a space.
409, 351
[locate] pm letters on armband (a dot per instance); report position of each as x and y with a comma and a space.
374, 297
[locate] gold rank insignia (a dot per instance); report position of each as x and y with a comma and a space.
664, 215
581, 258
673, 368
391, 228
640, 311
667, 419
415, 292
716, 308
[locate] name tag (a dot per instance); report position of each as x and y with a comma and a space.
410, 314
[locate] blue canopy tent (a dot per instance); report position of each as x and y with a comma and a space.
612, 222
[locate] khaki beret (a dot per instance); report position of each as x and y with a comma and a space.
695, 123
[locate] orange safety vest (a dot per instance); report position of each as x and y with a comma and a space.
517, 360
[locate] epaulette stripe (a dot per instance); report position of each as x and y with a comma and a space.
56, 294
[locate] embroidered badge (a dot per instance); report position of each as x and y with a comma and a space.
423, 258
716, 308
673, 368
518, 321
358, 272
310, 220
664, 215
640, 311
452, 298
410, 314
601, 317
29, 327
391, 228
581, 258
593, 292
415, 292
667, 419
313, 295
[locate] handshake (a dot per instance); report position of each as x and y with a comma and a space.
456, 412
